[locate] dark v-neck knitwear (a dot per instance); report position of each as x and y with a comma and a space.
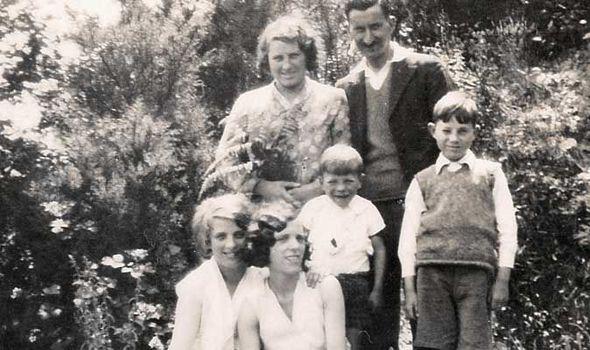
384, 175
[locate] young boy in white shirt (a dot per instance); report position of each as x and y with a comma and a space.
343, 233
458, 237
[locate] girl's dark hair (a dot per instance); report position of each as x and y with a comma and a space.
268, 220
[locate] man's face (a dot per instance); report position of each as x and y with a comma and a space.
371, 33
453, 139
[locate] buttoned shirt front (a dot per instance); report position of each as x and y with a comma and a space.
341, 237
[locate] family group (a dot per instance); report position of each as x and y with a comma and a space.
322, 200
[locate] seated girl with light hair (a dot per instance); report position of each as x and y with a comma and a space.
210, 296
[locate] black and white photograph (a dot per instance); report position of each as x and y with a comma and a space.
294, 175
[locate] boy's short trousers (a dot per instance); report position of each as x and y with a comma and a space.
453, 308
355, 288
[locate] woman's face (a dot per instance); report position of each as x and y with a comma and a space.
287, 64
227, 239
286, 255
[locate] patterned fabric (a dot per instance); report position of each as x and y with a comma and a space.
268, 137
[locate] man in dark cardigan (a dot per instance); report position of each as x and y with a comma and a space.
391, 94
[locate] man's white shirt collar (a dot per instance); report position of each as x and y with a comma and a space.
469, 159
377, 77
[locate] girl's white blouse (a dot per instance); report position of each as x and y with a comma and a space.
219, 310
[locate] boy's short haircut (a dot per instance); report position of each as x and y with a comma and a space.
235, 207
456, 104
341, 160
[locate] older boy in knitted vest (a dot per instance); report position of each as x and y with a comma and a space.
458, 236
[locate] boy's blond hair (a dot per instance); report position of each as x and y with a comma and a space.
341, 160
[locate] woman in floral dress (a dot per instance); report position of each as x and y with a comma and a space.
275, 134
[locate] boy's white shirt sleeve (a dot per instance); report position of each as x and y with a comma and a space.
305, 214
505, 219
414, 206
375, 221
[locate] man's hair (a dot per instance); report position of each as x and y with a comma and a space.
291, 29
235, 207
458, 105
362, 5
268, 219
341, 160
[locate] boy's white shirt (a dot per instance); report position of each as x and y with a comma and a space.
351, 228
503, 209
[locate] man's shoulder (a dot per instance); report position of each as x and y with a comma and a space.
422, 60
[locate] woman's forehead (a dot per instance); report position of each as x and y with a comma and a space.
293, 227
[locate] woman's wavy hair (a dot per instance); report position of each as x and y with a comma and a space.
268, 219
292, 28
235, 207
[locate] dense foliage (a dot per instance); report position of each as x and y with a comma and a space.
96, 197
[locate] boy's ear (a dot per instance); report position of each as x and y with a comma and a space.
431, 128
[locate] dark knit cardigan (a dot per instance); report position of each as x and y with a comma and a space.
459, 225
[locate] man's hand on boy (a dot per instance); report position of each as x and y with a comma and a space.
376, 299
500, 289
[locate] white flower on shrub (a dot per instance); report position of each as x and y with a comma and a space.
138, 254
16, 292
116, 261
52, 290
15, 173
136, 271
145, 311
58, 225
156, 343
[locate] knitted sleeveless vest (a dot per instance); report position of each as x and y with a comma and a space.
459, 225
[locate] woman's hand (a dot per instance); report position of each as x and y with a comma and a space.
304, 193
276, 190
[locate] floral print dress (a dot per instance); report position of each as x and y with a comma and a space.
268, 137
